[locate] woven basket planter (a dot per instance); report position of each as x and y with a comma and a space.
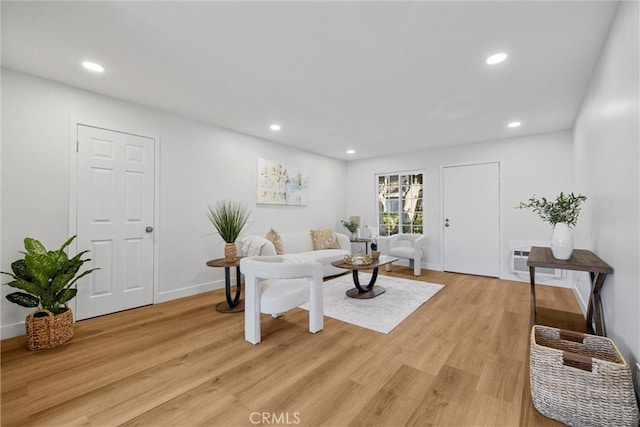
50, 330
230, 252
581, 379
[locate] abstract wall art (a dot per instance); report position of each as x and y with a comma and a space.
280, 184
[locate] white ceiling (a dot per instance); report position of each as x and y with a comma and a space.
378, 77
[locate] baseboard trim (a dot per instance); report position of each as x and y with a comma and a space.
12, 330
188, 291
431, 266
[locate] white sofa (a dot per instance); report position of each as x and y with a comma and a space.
298, 247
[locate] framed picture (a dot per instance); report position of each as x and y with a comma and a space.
280, 184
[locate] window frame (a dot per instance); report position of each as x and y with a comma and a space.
393, 215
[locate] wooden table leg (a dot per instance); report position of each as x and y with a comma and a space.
595, 322
365, 292
532, 279
231, 305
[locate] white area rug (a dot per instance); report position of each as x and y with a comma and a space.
382, 313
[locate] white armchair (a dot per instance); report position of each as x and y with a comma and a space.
274, 287
409, 246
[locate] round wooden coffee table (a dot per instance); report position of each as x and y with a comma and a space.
370, 290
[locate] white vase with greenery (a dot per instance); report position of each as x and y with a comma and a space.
562, 214
351, 226
561, 241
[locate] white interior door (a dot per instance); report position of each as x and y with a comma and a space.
115, 213
471, 219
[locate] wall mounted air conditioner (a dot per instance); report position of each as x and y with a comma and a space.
519, 265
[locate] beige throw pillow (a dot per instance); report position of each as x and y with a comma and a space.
275, 238
324, 239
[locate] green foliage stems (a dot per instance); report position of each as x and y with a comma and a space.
349, 225
565, 208
228, 218
46, 277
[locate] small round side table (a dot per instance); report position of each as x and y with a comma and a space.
235, 304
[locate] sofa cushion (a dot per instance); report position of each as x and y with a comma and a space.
274, 237
324, 239
297, 242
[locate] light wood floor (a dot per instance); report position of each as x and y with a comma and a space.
460, 360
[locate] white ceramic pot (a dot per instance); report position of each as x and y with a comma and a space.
561, 241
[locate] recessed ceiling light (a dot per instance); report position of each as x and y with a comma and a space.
496, 58
351, 151
275, 127
514, 124
92, 66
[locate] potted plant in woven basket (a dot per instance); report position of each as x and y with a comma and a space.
229, 219
47, 278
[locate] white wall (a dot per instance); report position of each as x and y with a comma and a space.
199, 163
540, 164
606, 156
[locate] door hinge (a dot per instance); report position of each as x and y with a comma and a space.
77, 146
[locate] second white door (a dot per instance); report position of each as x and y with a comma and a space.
115, 213
471, 219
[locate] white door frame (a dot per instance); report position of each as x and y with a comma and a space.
452, 165
73, 187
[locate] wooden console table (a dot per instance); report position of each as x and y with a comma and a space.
581, 260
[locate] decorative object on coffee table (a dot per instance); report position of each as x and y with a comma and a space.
358, 259
47, 278
229, 219
375, 253
562, 214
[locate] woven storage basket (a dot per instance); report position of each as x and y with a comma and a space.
580, 379
48, 331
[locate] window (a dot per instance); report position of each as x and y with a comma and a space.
399, 203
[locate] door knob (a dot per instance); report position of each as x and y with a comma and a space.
446, 222
149, 229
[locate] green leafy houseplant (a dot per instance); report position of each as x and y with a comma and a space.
564, 209
229, 219
46, 277
349, 225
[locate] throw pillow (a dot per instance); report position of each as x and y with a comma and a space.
324, 239
275, 238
